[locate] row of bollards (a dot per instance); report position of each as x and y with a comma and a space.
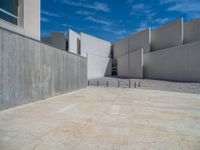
136, 84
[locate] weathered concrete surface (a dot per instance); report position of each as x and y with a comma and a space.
168, 36
30, 71
105, 118
179, 63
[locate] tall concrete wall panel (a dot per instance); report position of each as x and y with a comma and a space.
168, 36
140, 40
120, 48
136, 64
179, 63
73, 41
192, 31
122, 66
31, 71
93, 45
98, 66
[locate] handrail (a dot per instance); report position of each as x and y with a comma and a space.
8, 13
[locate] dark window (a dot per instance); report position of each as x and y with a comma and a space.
9, 11
78, 46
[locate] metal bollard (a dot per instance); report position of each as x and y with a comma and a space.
107, 83
138, 84
135, 85
118, 83
97, 83
88, 82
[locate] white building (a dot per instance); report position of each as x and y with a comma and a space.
21, 16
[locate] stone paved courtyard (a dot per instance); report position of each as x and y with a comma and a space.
106, 119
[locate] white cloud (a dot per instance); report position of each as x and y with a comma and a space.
116, 32
98, 6
49, 14
162, 20
80, 12
139, 9
44, 19
104, 22
188, 7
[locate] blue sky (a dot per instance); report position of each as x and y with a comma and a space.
113, 19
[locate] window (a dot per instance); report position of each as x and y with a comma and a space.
9, 11
78, 46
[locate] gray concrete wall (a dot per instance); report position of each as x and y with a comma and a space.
98, 66
192, 31
179, 63
122, 66
31, 71
58, 40
120, 48
167, 36
73, 41
29, 14
136, 65
140, 40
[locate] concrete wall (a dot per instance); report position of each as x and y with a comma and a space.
167, 36
73, 41
58, 40
29, 19
140, 40
192, 31
98, 66
93, 45
136, 65
31, 71
120, 48
179, 63
98, 52
122, 66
